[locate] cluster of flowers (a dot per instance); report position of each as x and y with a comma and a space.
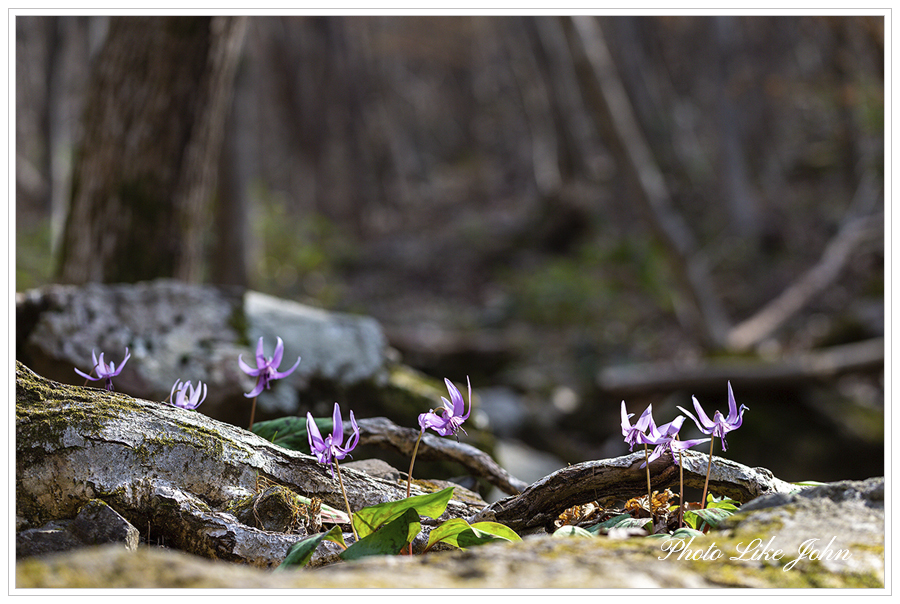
665, 438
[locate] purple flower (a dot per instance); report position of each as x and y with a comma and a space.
448, 419
185, 396
328, 449
104, 371
719, 425
632, 433
664, 439
266, 369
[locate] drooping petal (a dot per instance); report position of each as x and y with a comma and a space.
247, 368
85, 375
260, 386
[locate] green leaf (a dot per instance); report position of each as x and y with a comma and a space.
388, 540
447, 532
682, 533
301, 552
620, 521
497, 529
711, 516
367, 520
571, 531
290, 432
724, 503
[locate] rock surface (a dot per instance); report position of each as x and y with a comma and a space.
855, 520
95, 524
177, 331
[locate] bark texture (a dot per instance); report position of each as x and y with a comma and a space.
167, 470
608, 480
152, 129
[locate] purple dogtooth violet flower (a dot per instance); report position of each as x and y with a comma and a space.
719, 426
330, 448
185, 396
266, 369
104, 371
632, 433
663, 439
448, 419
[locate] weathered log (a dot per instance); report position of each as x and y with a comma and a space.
621, 478
172, 470
385, 433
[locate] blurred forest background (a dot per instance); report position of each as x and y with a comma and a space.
572, 211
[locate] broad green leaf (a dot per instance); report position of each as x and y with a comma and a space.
446, 531
724, 502
458, 533
367, 520
620, 521
571, 531
711, 516
290, 432
301, 552
388, 540
497, 529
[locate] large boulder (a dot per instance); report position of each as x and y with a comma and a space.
177, 331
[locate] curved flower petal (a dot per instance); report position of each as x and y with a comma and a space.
283, 374
260, 386
337, 433
85, 375
312, 431
353, 440
247, 368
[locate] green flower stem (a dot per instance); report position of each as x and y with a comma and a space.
413, 461
712, 441
252, 414
346, 502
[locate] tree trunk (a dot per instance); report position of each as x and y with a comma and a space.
146, 169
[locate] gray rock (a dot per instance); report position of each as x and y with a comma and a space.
95, 524
177, 331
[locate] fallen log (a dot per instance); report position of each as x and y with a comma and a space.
621, 478
171, 471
